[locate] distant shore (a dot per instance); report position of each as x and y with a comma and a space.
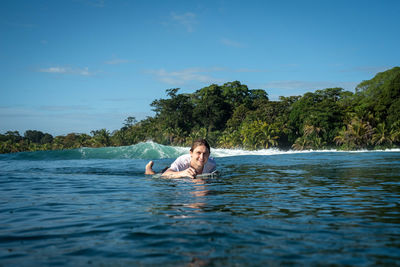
233, 116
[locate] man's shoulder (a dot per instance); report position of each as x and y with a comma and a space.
183, 158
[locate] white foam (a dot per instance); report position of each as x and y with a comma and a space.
218, 152
221, 152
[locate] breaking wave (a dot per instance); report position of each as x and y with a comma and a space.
149, 150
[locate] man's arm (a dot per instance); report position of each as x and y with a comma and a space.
189, 172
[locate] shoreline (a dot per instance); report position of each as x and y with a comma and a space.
216, 151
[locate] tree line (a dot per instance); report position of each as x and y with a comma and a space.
233, 116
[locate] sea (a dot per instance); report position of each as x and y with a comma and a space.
96, 207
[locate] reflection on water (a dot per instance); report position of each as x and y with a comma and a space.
300, 209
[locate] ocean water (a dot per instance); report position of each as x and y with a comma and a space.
95, 207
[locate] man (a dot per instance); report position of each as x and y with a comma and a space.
198, 161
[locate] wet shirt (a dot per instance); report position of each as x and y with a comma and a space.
183, 162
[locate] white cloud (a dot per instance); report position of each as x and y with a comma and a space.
67, 70
188, 20
231, 43
275, 89
186, 76
202, 75
309, 85
293, 88
84, 71
54, 70
371, 70
63, 119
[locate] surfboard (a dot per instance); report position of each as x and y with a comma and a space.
213, 174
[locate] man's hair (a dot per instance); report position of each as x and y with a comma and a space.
200, 142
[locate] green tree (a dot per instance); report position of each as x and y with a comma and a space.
176, 112
211, 110
37, 137
259, 134
381, 135
46, 139
196, 133
235, 94
357, 134
321, 109
58, 142
71, 141
239, 115
130, 121
392, 93
33, 136
395, 132
13, 136
120, 137
101, 137
301, 143
230, 138
379, 95
311, 139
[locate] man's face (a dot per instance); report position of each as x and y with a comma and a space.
199, 157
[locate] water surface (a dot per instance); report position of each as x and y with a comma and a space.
95, 207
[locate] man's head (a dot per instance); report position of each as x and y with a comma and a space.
199, 152
200, 142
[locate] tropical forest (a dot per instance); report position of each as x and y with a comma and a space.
233, 116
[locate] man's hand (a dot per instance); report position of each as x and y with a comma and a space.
190, 172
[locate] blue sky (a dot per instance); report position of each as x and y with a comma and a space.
82, 65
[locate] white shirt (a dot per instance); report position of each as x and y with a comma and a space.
183, 162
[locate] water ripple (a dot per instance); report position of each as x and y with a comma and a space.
291, 209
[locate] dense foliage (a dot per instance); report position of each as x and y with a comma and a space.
233, 116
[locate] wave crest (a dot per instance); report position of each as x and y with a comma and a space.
145, 150
151, 150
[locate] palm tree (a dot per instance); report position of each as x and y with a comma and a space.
313, 135
311, 130
101, 137
178, 136
395, 131
342, 138
381, 135
230, 138
357, 134
169, 135
300, 143
196, 134
311, 138
258, 134
249, 132
58, 142
224, 142
269, 135
7, 146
